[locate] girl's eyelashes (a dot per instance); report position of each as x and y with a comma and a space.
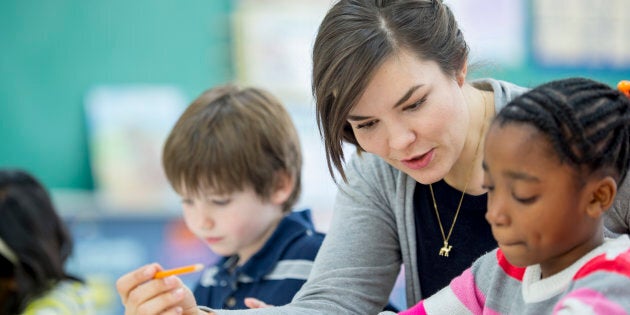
524, 200
487, 183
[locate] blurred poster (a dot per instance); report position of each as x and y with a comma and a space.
127, 127
494, 30
581, 33
273, 42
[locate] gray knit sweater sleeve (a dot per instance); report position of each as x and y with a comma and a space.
360, 258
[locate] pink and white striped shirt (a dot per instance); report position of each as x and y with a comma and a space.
598, 283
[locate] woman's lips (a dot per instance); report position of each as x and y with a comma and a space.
419, 162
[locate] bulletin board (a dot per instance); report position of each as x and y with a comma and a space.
529, 42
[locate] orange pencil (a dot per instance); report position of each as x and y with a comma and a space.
178, 271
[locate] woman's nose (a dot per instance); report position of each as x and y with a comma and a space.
400, 136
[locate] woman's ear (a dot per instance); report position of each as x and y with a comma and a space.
460, 76
602, 196
284, 188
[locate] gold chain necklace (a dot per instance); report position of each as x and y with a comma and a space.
446, 249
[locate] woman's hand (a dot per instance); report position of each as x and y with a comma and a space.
141, 294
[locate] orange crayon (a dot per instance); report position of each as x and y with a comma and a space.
178, 271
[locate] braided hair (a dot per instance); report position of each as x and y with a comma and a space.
587, 122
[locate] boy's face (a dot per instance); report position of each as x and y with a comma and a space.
238, 223
535, 206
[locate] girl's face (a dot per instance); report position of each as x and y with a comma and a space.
413, 116
536, 207
238, 223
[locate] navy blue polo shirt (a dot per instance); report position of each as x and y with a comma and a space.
273, 275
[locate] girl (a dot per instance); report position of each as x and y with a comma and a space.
34, 247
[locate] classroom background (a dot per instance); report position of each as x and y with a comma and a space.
89, 90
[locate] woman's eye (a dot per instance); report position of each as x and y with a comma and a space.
416, 105
366, 125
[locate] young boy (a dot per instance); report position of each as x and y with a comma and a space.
234, 158
553, 160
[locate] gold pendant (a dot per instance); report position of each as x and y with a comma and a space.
445, 249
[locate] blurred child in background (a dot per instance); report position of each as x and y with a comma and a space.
234, 158
34, 246
554, 158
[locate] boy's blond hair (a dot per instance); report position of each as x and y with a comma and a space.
231, 138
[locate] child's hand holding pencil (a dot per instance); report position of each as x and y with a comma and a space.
151, 290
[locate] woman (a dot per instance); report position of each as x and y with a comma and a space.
390, 78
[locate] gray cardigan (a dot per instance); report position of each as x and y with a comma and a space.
372, 234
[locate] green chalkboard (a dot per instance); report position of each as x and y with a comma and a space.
53, 52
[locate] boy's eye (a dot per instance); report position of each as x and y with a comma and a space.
187, 201
220, 202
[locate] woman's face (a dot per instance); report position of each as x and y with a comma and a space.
413, 116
